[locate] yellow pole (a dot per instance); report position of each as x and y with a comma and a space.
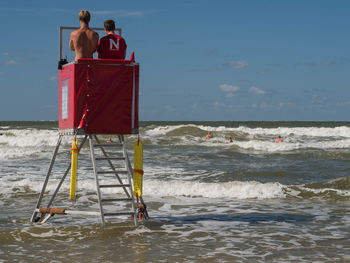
74, 166
138, 168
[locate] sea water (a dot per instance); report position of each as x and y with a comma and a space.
251, 200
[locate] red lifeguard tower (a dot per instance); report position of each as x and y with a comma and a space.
98, 97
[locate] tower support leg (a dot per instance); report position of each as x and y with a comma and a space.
47, 178
65, 175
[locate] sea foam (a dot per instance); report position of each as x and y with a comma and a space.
234, 189
254, 139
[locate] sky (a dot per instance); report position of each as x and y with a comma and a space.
200, 60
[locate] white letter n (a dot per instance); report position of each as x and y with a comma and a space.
113, 45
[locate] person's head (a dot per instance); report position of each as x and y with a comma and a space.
109, 25
84, 16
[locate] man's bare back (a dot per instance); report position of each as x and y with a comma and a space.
84, 42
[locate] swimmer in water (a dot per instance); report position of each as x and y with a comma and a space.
209, 136
279, 139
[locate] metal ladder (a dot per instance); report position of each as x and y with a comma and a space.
119, 169
108, 165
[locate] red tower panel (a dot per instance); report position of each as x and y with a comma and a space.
99, 96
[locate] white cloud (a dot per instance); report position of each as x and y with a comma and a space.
285, 105
264, 105
11, 62
5, 54
169, 108
52, 78
238, 64
267, 106
196, 108
318, 99
218, 105
256, 90
318, 63
229, 89
263, 71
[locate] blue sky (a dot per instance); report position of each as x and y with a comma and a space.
231, 60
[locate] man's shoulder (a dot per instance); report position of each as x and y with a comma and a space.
104, 37
96, 35
112, 36
74, 32
92, 32
78, 32
107, 37
117, 36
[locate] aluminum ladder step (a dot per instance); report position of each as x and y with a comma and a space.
113, 172
113, 185
109, 158
119, 213
108, 145
115, 199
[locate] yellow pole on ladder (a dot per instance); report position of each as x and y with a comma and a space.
138, 168
74, 166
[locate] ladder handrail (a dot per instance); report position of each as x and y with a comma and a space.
96, 178
130, 170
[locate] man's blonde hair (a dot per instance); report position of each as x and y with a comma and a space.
84, 16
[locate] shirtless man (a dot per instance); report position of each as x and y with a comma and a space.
83, 40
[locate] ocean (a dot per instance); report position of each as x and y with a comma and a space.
251, 200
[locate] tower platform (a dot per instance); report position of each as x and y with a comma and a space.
99, 96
